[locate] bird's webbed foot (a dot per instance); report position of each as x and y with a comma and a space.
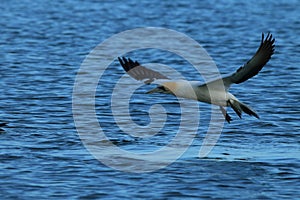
224, 112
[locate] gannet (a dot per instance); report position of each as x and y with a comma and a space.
209, 92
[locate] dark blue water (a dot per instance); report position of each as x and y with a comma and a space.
43, 44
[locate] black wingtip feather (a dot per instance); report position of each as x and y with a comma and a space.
257, 62
127, 64
262, 38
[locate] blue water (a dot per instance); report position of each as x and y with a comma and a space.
43, 44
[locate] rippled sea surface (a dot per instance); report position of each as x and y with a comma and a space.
43, 44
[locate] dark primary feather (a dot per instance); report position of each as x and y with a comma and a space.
138, 72
256, 63
128, 64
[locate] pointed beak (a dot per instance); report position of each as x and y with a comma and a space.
159, 89
154, 90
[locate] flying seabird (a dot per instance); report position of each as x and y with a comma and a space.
210, 92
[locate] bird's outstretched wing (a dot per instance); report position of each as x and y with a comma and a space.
138, 72
255, 64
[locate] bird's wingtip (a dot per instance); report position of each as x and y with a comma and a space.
128, 63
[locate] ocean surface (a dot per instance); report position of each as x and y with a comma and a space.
42, 154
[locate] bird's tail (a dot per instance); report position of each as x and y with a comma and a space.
240, 107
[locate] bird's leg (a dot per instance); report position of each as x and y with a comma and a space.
227, 117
